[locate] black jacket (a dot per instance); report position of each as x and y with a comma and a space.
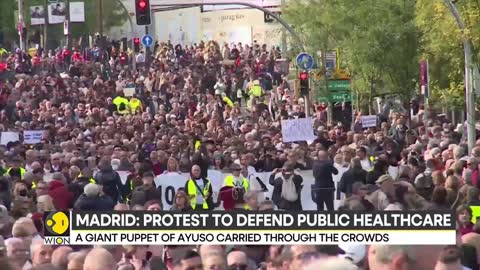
111, 182
77, 186
322, 171
351, 176
101, 203
280, 202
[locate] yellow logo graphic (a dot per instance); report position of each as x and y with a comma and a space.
56, 223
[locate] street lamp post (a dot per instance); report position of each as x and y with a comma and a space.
469, 95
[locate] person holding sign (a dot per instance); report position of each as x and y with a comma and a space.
199, 190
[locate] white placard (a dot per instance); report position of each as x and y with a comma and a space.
297, 130
77, 12
369, 121
32, 136
168, 184
56, 13
37, 15
9, 136
129, 91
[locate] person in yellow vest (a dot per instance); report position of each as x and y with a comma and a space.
121, 103
135, 105
254, 91
199, 190
236, 180
16, 171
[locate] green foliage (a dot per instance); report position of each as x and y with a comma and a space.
378, 40
113, 15
8, 21
442, 45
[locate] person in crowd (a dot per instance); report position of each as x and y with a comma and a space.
40, 253
190, 261
324, 186
251, 200
182, 202
356, 173
238, 260
18, 251
58, 191
287, 188
214, 260
109, 180
60, 257
92, 199
464, 217
99, 259
239, 183
199, 190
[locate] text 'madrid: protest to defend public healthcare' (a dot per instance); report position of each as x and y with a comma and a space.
305, 220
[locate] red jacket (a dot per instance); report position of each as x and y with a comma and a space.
62, 198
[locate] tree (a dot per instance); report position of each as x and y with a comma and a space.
8, 28
377, 38
442, 45
113, 15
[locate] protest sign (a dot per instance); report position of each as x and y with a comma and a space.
297, 130
369, 121
9, 137
32, 136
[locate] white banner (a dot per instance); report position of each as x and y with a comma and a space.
77, 12
369, 121
169, 183
56, 13
295, 130
256, 237
9, 136
37, 15
32, 136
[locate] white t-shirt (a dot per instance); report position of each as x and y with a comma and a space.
366, 165
199, 190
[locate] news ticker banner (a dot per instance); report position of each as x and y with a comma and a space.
249, 228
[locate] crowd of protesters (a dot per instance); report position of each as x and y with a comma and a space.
212, 106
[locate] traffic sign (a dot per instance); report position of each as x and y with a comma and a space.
147, 40
338, 85
304, 61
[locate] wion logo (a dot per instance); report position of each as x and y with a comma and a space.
56, 228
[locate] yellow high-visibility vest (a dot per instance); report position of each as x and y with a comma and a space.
475, 213
34, 185
22, 172
119, 100
228, 101
230, 179
192, 193
134, 104
91, 180
256, 91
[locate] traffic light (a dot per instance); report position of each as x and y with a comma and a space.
304, 84
142, 12
136, 44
